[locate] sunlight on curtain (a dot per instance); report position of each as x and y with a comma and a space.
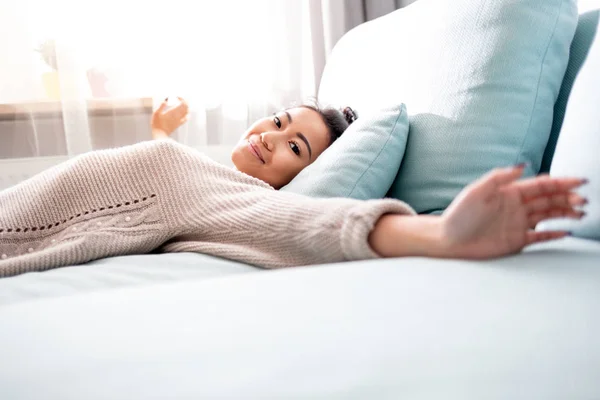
234, 61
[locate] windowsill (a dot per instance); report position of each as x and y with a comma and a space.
95, 107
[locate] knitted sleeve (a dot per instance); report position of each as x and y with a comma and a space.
161, 195
275, 229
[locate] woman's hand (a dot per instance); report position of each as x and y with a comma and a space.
492, 217
165, 120
496, 215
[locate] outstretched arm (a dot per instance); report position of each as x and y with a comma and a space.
164, 195
161, 194
493, 217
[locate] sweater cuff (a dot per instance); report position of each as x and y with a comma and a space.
359, 223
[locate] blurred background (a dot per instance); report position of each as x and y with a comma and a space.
86, 75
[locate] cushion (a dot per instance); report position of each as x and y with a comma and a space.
479, 78
577, 147
585, 33
363, 162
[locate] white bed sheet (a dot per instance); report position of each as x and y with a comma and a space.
117, 272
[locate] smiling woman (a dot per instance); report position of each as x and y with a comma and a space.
164, 196
275, 149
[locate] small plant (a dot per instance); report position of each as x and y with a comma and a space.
48, 51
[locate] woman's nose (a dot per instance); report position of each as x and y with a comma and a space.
268, 140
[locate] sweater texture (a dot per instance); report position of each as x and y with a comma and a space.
162, 196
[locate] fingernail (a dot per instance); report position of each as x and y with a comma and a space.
522, 165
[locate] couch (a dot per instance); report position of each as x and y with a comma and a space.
195, 326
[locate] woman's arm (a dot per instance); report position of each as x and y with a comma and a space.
400, 236
159, 134
490, 218
161, 194
165, 120
493, 217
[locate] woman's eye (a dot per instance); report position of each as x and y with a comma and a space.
295, 148
277, 122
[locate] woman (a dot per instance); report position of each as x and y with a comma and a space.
162, 196
301, 134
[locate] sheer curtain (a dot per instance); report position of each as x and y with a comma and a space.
331, 19
233, 61
86, 75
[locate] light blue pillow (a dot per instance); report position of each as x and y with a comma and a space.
579, 141
362, 163
479, 78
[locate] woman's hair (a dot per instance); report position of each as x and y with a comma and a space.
337, 121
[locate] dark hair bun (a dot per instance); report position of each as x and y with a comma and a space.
349, 114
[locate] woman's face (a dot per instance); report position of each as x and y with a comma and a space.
275, 149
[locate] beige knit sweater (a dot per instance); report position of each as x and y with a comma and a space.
166, 197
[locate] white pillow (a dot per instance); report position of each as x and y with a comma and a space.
577, 151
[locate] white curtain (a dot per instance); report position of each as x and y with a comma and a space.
233, 60
331, 19
116, 60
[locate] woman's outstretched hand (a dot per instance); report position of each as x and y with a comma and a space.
165, 120
494, 216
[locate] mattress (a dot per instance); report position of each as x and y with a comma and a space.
521, 327
117, 272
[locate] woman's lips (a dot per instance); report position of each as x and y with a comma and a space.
254, 150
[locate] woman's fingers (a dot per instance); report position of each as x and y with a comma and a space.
544, 185
558, 200
178, 111
182, 108
547, 198
162, 106
535, 218
536, 237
